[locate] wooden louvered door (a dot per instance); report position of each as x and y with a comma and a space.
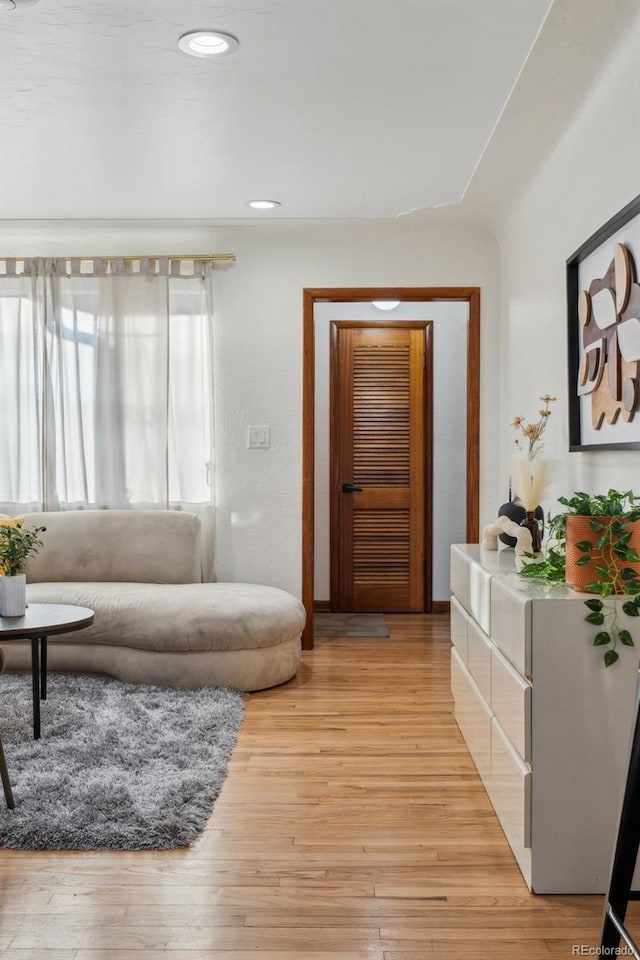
380, 408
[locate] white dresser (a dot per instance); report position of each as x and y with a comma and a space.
547, 725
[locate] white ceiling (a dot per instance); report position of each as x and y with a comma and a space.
337, 108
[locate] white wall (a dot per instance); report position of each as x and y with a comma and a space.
592, 171
450, 322
259, 348
588, 169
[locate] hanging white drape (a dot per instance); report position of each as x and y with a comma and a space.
106, 393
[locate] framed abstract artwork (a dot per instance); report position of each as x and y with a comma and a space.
603, 328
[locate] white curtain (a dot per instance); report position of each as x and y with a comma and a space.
106, 394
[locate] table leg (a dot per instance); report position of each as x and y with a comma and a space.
6, 783
43, 668
35, 684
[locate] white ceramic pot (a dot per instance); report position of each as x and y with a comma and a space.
13, 595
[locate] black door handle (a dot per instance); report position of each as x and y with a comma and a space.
349, 488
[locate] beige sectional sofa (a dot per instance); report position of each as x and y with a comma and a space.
155, 622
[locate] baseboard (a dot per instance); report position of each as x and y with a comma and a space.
321, 606
441, 606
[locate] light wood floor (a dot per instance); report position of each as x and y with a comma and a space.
352, 826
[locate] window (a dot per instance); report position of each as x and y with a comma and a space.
105, 385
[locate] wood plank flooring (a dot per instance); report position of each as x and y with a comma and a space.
352, 826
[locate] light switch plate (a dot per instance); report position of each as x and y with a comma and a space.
258, 438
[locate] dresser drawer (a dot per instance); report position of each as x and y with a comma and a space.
510, 789
471, 585
472, 714
479, 658
480, 596
511, 625
511, 703
459, 576
459, 626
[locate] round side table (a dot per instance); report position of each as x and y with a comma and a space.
42, 620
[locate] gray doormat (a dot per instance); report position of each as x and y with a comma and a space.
349, 625
119, 766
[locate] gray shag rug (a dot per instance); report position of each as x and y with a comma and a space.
119, 766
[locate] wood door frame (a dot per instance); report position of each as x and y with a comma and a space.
313, 295
427, 327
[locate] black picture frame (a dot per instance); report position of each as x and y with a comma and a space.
611, 227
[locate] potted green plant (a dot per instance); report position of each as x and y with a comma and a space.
594, 546
16, 545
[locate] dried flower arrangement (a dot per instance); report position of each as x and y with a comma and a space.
532, 432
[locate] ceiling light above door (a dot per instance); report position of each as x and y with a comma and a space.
385, 304
207, 43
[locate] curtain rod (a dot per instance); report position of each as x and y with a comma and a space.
229, 257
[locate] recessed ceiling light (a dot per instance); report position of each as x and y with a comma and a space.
263, 204
207, 43
385, 304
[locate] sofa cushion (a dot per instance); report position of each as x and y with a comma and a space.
179, 617
146, 546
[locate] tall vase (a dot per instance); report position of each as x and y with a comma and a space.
13, 595
534, 527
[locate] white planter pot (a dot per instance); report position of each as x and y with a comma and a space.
13, 595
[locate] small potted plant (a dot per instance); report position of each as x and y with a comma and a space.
602, 541
594, 547
16, 545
